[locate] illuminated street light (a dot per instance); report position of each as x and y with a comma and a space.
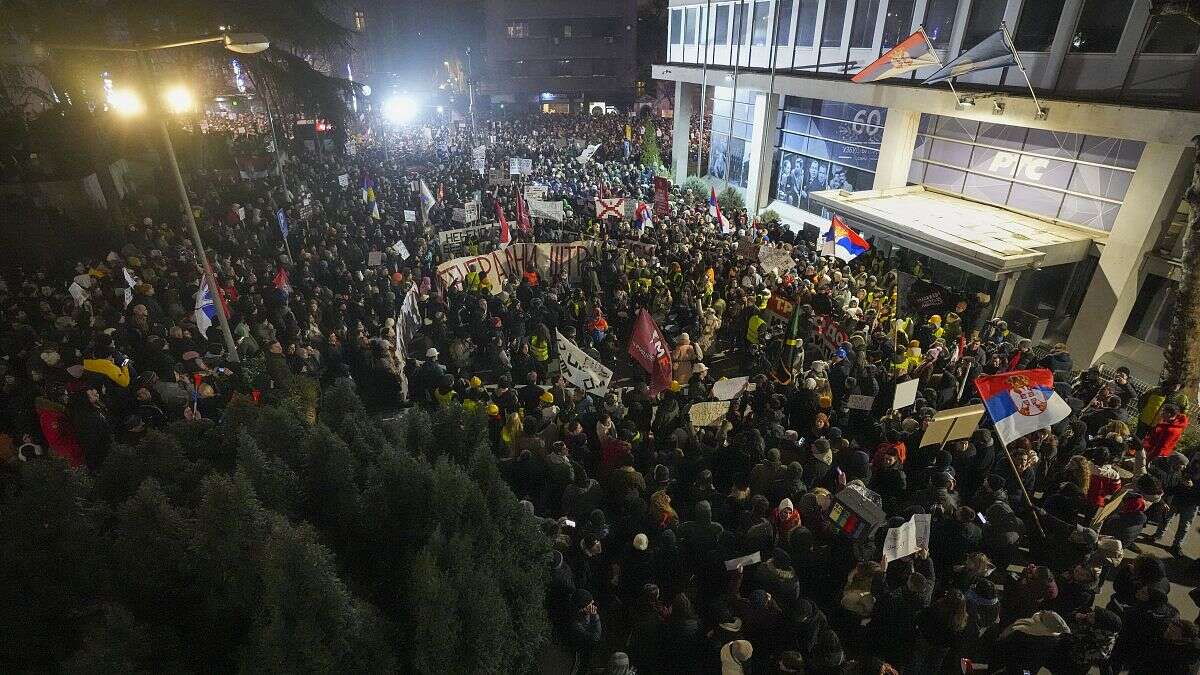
126, 102
179, 99
400, 109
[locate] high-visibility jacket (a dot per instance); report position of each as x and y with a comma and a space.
539, 348
753, 327
472, 281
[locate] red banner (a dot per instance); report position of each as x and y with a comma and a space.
662, 192
649, 349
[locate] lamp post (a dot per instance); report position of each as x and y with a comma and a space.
241, 43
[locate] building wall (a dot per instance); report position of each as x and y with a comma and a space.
547, 50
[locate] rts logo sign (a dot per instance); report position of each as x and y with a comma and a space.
1006, 164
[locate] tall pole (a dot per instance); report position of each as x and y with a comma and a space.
708, 23
471, 92
156, 111
278, 148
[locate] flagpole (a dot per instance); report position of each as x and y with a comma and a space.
1008, 42
703, 88
933, 50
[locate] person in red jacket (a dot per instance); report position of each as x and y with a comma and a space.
56, 428
1162, 438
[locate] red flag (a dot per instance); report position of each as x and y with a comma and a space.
649, 349
505, 236
523, 215
662, 192
283, 280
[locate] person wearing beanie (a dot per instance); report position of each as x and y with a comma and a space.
618, 664
827, 656
735, 657
1029, 643
584, 631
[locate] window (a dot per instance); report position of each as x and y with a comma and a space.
676, 26
806, 23
826, 145
762, 23
567, 30
721, 37
732, 129
897, 25
360, 20
783, 27
517, 29
1171, 35
835, 18
939, 21
1101, 23
862, 29
739, 24
984, 19
1037, 25
689, 25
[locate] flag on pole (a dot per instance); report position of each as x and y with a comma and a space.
282, 280
130, 281
282, 221
649, 349
206, 309
1021, 402
368, 189
714, 210
610, 207
642, 216
843, 243
994, 52
426, 200
505, 234
913, 53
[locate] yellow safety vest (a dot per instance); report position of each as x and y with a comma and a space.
540, 349
756, 323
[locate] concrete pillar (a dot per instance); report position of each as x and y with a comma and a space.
762, 151
896, 148
1150, 203
1008, 284
1061, 45
685, 104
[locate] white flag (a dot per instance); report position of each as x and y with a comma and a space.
426, 200
582, 370
552, 210
587, 153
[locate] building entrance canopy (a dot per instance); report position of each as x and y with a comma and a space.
985, 240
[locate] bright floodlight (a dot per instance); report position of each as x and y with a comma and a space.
179, 99
126, 102
400, 109
246, 43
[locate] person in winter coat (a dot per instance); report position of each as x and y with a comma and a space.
1127, 524
584, 631
1090, 643
700, 537
89, 418
1029, 643
1166, 432
684, 359
735, 657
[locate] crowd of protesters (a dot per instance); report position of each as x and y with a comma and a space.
644, 508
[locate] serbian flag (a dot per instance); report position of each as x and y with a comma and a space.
843, 243
649, 349
994, 52
905, 57
523, 215
505, 235
714, 210
1021, 402
642, 216
282, 280
206, 309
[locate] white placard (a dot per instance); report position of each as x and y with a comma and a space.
729, 389
520, 166
708, 413
401, 249
344, 180
470, 212
906, 394
744, 561
587, 153
374, 258
860, 402
907, 539
536, 192
410, 216
547, 209
580, 369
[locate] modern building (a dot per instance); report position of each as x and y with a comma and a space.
559, 56
1064, 219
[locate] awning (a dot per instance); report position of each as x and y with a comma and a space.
985, 240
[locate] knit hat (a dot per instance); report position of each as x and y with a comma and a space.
431, 353
827, 653
1112, 550
641, 542
786, 504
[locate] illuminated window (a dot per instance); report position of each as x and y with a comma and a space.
517, 29
360, 20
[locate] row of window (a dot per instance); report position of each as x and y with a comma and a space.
1098, 30
557, 67
517, 29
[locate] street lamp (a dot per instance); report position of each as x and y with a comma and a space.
179, 99
241, 43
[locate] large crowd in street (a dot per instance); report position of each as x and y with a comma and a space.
752, 541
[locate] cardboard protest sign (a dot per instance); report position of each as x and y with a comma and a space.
536, 192
410, 216
520, 166
401, 249
470, 212
708, 413
344, 180
952, 425
906, 394
743, 561
548, 260
551, 210
374, 258
860, 402
580, 369
729, 389
496, 177
907, 539
772, 257
1108, 509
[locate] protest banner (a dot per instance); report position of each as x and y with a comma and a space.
536, 192
410, 216
725, 390
374, 258
860, 402
614, 207
496, 177
773, 257
743, 561
547, 209
906, 394
580, 369
520, 166
649, 349
907, 539
511, 262
662, 196
952, 425
471, 212
455, 241
708, 413
780, 307
458, 215
344, 180
830, 335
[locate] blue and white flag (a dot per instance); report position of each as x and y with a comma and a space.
993, 52
427, 200
281, 219
206, 308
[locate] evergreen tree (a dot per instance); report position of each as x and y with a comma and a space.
650, 154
